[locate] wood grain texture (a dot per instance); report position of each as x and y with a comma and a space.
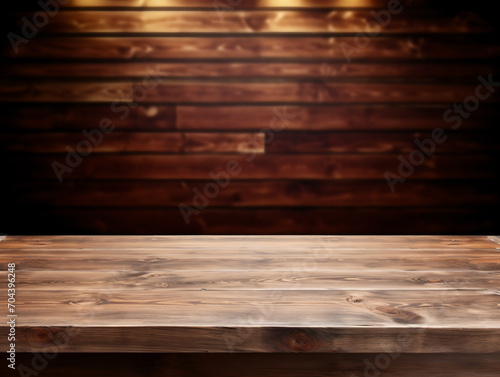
300, 142
186, 142
64, 92
277, 294
309, 142
349, 117
319, 70
327, 108
153, 117
367, 241
87, 116
455, 265
251, 166
309, 93
285, 308
255, 47
149, 262
236, 22
257, 193
174, 279
214, 93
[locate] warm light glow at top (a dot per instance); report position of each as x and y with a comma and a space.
210, 3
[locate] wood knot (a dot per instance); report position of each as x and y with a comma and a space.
256, 22
424, 280
399, 315
40, 335
89, 301
150, 112
300, 341
49, 337
354, 300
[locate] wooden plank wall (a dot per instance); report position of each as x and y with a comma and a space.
304, 105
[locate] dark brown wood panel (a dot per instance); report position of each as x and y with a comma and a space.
284, 142
64, 92
387, 142
252, 193
329, 95
350, 117
77, 117
186, 142
256, 47
251, 166
307, 92
213, 93
319, 70
274, 221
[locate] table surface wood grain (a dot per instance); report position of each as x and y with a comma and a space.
347, 294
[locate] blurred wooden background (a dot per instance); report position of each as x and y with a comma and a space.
190, 86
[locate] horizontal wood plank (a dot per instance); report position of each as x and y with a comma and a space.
319, 308
265, 221
318, 70
88, 116
309, 142
256, 47
150, 262
214, 93
64, 92
234, 22
349, 117
248, 166
116, 142
308, 92
283, 142
169, 279
269, 193
443, 242
328, 248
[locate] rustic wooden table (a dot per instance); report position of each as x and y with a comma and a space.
350, 305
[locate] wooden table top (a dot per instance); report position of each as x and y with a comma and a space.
423, 294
